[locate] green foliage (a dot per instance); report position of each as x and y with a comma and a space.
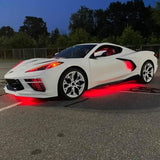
83, 18
116, 16
110, 39
6, 31
130, 23
93, 39
34, 27
78, 36
156, 13
43, 42
54, 35
153, 39
130, 37
102, 25
4, 42
62, 42
20, 40
113, 20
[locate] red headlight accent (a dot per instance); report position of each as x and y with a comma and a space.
46, 66
18, 64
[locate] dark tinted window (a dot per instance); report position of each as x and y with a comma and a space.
78, 51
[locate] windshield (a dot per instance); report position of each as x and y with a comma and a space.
78, 51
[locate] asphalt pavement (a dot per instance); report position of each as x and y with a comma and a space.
117, 122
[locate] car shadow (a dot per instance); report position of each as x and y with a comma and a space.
125, 101
126, 96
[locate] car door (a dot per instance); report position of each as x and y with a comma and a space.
106, 68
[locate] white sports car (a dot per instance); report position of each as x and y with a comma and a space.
78, 68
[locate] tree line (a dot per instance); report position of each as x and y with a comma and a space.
130, 23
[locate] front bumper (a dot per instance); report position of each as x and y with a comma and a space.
28, 93
26, 89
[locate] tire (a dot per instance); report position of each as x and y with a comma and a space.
147, 72
72, 84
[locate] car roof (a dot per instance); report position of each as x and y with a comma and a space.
103, 43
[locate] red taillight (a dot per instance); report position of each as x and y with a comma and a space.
36, 84
46, 66
156, 55
18, 64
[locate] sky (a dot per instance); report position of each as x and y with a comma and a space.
56, 13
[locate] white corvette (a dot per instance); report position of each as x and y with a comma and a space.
78, 68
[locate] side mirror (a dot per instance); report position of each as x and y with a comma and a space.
99, 53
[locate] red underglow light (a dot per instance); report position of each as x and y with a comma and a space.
129, 65
111, 89
28, 101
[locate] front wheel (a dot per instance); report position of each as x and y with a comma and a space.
147, 72
72, 84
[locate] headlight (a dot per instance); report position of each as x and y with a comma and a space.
46, 66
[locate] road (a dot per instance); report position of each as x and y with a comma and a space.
117, 122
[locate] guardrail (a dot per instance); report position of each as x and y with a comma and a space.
50, 52
28, 53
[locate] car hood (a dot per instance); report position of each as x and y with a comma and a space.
26, 65
22, 68
32, 63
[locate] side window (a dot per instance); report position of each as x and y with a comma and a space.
107, 50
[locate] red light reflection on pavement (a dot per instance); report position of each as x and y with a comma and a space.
28, 101
111, 89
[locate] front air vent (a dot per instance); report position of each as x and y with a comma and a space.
14, 85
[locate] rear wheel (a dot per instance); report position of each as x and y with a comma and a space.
147, 72
72, 84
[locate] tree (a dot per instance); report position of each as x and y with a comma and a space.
103, 27
83, 18
112, 21
4, 42
116, 15
111, 39
156, 14
153, 39
78, 36
43, 41
6, 31
62, 42
21, 40
130, 37
139, 17
54, 35
34, 27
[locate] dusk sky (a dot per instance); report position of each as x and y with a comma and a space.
56, 13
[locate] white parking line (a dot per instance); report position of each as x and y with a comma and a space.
10, 106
